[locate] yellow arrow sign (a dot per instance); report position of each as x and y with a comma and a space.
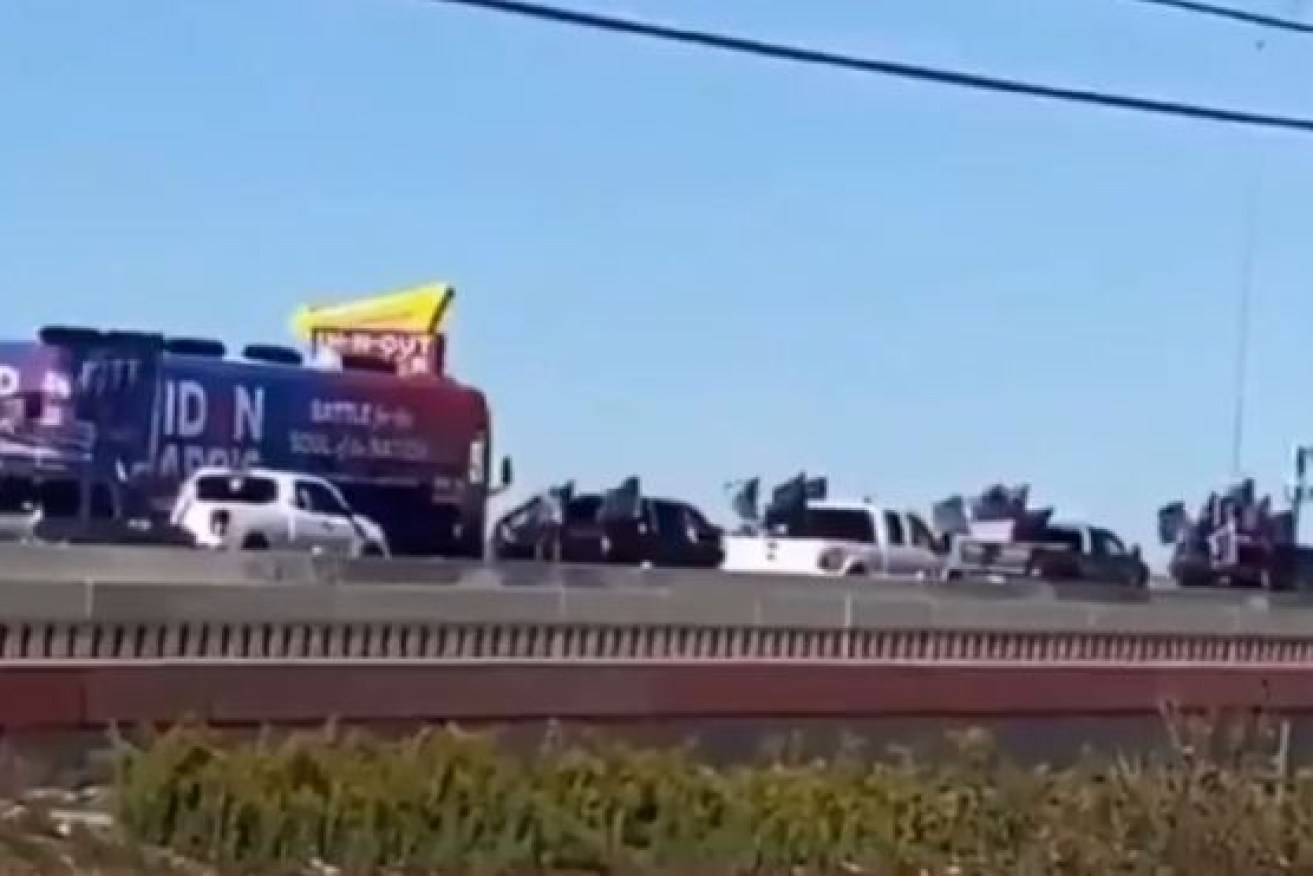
417, 310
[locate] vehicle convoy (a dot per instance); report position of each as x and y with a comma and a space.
135, 413
620, 526
264, 509
802, 532
997, 536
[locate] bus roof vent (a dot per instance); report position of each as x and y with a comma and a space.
70, 336
195, 347
273, 353
150, 341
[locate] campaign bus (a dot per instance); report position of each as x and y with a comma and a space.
133, 413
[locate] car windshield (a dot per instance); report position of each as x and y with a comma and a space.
695, 517
1108, 544
240, 490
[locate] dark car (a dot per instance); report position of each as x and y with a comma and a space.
1060, 554
617, 526
1090, 554
64, 510
1025, 542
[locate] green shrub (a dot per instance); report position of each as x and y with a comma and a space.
447, 801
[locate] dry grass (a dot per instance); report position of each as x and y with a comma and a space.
449, 802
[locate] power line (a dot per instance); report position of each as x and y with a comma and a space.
815, 57
1231, 13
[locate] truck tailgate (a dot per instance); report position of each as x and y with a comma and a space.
795, 556
1008, 558
1003, 558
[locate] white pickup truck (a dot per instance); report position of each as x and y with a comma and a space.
264, 509
832, 538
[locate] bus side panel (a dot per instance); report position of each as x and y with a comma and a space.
400, 448
358, 426
64, 408
38, 429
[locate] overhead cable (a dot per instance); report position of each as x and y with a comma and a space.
816, 57
1231, 13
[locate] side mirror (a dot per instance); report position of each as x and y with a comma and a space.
507, 472
1135, 551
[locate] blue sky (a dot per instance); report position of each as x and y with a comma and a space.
695, 266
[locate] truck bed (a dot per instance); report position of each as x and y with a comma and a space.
1009, 559
764, 554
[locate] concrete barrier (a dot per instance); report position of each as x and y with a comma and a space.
108, 564
824, 607
139, 585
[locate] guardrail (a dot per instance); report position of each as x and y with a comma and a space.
585, 644
86, 654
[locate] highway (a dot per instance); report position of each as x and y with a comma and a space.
161, 586
92, 637
23, 562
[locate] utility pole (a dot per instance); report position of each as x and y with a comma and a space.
1248, 243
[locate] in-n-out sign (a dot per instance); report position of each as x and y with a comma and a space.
410, 352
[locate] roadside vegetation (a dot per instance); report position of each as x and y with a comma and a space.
452, 802
191, 801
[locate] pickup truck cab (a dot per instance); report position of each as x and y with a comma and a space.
264, 509
619, 526
832, 537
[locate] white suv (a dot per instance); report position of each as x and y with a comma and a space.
266, 509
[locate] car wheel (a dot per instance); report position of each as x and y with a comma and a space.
371, 550
255, 542
857, 570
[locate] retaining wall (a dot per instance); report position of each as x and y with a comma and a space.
97, 695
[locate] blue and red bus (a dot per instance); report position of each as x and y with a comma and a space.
412, 452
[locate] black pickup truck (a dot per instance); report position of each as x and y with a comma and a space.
1073, 553
63, 510
620, 526
997, 535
